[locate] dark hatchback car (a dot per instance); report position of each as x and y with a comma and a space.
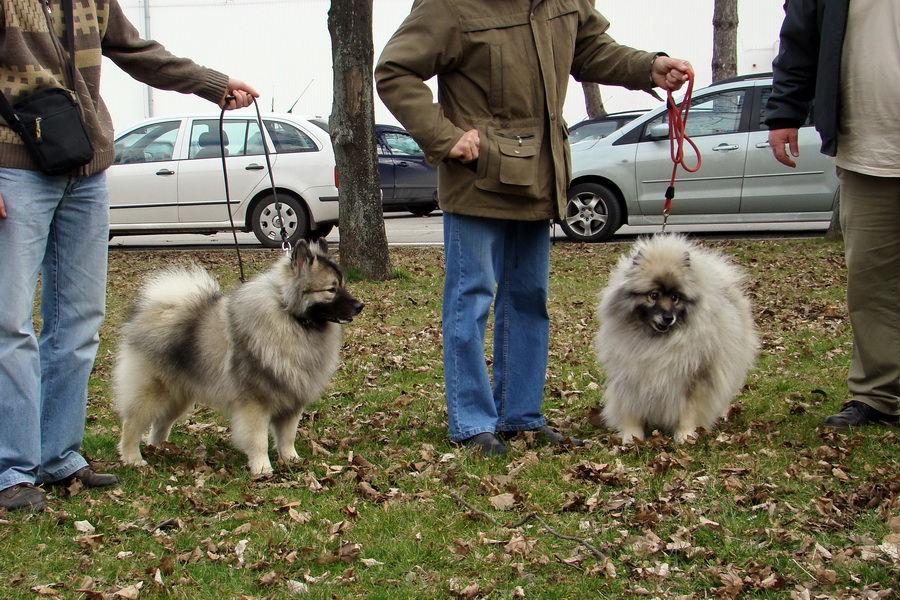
407, 182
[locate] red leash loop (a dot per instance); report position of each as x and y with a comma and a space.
677, 137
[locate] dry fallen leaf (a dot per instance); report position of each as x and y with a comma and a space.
503, 501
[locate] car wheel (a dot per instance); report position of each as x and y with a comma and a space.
593, 213
319, 232
266, 222
422, 210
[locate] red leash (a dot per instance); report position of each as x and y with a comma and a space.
677, 138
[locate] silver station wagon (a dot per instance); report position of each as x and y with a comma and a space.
622, 178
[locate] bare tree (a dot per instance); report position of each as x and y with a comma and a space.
364, 246
725, 27
593, 101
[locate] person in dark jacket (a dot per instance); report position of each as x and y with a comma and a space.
57, 226
498, 139
846, 57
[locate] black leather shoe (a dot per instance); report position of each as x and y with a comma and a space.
857, 413
547, 434
88, 479
487, 443
23, 496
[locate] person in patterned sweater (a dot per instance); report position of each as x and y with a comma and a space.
58, 227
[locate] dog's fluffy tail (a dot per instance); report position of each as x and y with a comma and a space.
179, 287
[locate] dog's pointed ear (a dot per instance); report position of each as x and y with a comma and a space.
638, 257
686, 259
302, 256
321, 246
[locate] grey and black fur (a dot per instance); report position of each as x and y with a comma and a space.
676, 338
260, 354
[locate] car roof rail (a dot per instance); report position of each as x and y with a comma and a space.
747, 77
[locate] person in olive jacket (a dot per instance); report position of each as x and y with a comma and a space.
498, 139
846, 55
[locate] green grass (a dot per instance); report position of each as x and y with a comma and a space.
381, 506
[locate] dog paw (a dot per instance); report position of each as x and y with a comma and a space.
134, 461
631, 438
290, 456
260, 468
683, 436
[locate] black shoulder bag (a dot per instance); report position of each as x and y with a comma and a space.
49, 120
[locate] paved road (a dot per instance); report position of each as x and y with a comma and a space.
404, 229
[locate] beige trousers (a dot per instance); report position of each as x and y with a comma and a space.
870, 219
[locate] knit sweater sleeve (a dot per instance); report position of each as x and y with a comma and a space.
149, 62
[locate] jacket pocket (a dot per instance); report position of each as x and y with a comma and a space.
509, 162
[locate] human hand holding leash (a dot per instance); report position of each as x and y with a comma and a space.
237, 95
778, 138
670, 73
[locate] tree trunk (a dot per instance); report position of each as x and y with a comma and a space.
363, 245
593, 101
834, 229
725, 26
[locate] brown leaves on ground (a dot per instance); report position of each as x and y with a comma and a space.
767, 505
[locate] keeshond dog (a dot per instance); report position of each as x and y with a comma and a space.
260, 354
676, 338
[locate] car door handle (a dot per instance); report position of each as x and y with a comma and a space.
725, 148
763, 145
165, 171
403, 164
254, 167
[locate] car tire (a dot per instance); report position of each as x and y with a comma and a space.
267, 227
422, 210
593, 213
319, 232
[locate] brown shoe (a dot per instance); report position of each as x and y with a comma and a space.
23, 496
88, 479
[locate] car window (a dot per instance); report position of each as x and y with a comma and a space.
240, 136
713, 114
594, 131
288, 138
147, 144
401, 143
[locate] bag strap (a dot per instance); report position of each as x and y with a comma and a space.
6, 110
69, 14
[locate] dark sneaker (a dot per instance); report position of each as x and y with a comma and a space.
547, 434
858, 413
487, 443
23, 496
88, 479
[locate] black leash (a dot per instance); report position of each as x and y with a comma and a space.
285, 244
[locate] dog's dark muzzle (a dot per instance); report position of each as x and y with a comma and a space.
354, 309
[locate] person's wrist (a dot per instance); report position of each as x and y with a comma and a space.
653, 62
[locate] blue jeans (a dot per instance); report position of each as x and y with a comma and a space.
506, 263
58, 227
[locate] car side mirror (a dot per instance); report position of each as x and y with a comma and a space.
658, 131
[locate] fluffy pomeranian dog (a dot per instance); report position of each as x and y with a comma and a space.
676, 338
259, 354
